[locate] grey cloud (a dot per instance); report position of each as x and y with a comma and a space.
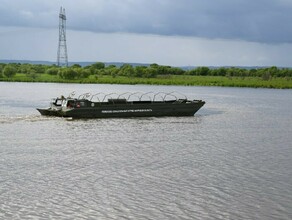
248, 20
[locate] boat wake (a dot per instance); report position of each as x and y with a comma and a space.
7, 119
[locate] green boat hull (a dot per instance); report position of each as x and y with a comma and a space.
125, 109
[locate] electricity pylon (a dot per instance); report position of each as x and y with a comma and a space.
62, 58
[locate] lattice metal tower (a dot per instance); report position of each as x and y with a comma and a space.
62, 59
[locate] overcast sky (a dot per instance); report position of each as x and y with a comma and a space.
170, 32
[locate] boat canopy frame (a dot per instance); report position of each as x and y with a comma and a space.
130, 96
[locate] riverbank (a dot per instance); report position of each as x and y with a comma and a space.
253, 82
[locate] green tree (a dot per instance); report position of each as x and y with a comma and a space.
150, 72
24, 68
52, 71
31, 73
175, 71
98, 65
219, 72
203, 71
192, 72
9, 71
154, 65
273, 71
2, 65
285, 72
83, 73
140, 71
76, 65
126, 70
39, 68
163, 70
253, 72
68, 73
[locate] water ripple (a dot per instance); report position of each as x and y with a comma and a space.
230, 161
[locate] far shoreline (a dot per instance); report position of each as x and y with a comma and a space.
153, 74
211, 81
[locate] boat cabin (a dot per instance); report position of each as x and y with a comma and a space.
74, 103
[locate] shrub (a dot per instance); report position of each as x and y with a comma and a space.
52, 71
68, 73
9, 71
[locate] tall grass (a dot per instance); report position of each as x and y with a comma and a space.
255, 82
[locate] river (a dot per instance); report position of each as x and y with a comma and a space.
232, 160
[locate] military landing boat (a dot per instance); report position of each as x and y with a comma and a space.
114, 105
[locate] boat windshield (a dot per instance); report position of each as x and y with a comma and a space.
69, 103
57, 102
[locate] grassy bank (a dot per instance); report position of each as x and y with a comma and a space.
254, 82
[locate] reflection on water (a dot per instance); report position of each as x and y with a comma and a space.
232, 160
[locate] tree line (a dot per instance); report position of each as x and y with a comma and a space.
150, 71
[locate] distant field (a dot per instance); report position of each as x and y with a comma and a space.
255, 82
